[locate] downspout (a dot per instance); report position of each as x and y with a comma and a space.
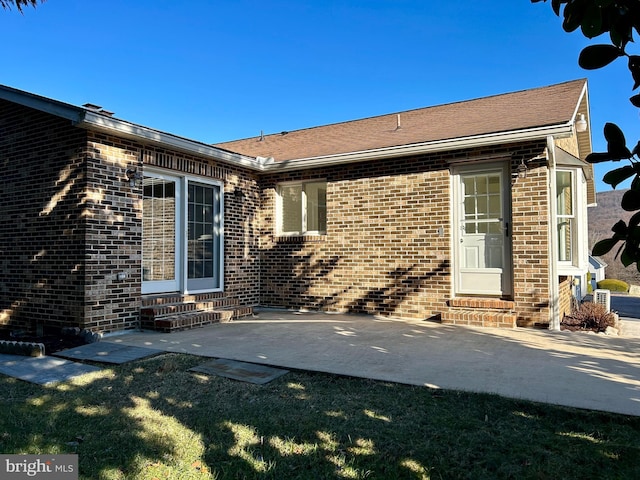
554, 288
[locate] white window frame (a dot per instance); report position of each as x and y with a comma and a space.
578, 263
304, 203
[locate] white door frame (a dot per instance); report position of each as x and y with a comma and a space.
175, 284
482, 281
181, 283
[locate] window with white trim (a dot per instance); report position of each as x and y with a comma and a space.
566, 215
302, 208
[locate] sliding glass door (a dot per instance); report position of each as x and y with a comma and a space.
182, 234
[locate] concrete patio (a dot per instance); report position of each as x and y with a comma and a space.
572, 369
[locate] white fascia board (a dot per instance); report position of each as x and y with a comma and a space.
540, 133
96, 121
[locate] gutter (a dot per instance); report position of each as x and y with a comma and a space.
96, 121
554, 288
558, 131
100, 122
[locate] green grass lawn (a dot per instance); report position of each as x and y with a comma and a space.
154, 419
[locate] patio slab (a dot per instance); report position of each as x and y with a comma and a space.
243, 371
105, 352
42, 370
573, 369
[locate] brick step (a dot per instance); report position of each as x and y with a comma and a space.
176, 298
479, 318
168, 309
188, 319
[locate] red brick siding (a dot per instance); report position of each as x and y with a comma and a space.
387, 247
41, 213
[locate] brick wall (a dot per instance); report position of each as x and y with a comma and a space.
42, 217
531, 273
71, 223
112, 212
387, 247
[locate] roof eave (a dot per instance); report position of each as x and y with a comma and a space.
36, 102
514, 136
112, 126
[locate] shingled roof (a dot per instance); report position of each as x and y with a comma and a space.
527, 109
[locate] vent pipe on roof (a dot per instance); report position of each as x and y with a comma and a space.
262, 135
97, 109
93, 107
398, 125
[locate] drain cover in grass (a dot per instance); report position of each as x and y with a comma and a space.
243, 371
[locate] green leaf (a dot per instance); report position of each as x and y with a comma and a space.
616, 143
627, 258
631, 200
603, 247
620, 229
555, 4
593, 57
592, 21
598, 157
573, 14
634, 221
613, 134
619, 175
634, 68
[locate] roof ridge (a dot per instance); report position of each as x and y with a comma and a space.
372, 117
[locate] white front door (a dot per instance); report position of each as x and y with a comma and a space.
483, 221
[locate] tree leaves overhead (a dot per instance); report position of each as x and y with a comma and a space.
616, 143
619, 175
603, 247
598, 56
19, 4
619, 18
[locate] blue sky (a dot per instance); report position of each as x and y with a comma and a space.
222, 70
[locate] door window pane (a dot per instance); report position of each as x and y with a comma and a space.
203, 236
159, 229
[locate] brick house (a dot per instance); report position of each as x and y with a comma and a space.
468, 213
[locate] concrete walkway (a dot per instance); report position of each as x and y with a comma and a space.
572, 369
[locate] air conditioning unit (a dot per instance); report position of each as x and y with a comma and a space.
603, 297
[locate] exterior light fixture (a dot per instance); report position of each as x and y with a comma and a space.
238, 193
134, 176
522, 170
581, 124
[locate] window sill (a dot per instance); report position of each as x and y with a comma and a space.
311, 238
571, 270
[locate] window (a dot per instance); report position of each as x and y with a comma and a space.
302, 208
565, 215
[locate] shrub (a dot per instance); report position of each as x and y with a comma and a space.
589, 316
613, 285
